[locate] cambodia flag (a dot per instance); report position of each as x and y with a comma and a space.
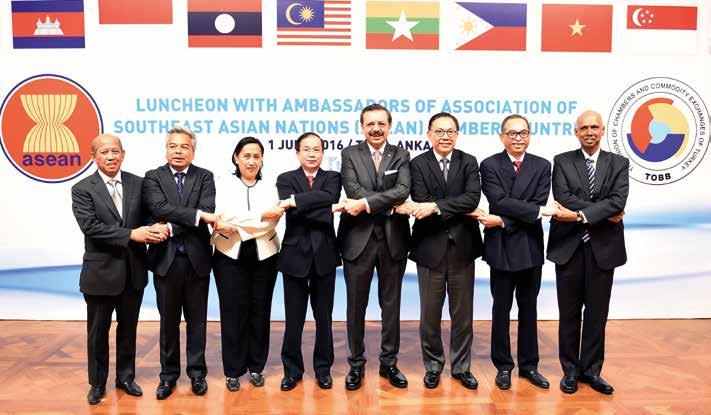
47, 24
491, 26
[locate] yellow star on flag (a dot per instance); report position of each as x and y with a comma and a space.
577, 28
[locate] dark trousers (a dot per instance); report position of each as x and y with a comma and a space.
99, 309
581, 283
358, 275
456, 280
245, 287
181, 290
296, 298
525, 284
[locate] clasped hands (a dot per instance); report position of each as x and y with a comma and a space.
351, 206
564, 214
153, 234
273, 213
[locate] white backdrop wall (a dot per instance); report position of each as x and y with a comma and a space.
127, 69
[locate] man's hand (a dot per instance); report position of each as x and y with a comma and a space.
161, 228
145, 235
406, 208
423, 210
550, 210
210, 218
617, 218
340, 206
478, 212
222, 227
285, 204
354, 207
564, 214
273, 213
490, 221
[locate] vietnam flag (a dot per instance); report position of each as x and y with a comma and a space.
576, 28
135, 11
402, 25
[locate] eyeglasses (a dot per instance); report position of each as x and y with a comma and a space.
511, 134
450, 133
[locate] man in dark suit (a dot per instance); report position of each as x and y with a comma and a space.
376, 178
445, 243
516, 184
308, 259
182, 195
587, 243
107, 207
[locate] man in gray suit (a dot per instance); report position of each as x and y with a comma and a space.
376, 178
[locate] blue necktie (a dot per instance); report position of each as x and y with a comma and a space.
180, 176
591, 179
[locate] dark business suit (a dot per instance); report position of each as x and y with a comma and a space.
584, 271
181, 279
515, 252
113, 273
444, 246
308, 262
375, 240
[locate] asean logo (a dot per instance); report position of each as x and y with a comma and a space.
661, 126
47, 123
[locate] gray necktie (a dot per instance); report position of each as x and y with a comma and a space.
445, 168
116, 195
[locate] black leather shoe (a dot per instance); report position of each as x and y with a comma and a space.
598, 383
534, 377
288, 383
131, 388
393, 374
468, 380
257, 379
164, 389
431, 379
232, 384
199, 385
569, 384
96, 394
503, 379
325, 382
354, 378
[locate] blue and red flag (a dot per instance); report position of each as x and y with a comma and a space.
491, 26
47, 24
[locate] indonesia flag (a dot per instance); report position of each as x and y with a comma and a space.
661, 30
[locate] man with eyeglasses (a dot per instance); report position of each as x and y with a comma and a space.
587, 243
516, 185
376, 178
445, 243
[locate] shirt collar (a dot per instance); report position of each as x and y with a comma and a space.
372, 149
439, 157
173, 171
594, 157
106, 178
514, 158
307, 174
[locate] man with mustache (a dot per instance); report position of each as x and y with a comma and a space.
376, 178
587, 243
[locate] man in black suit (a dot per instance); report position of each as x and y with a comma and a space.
107, 207
516, 184
308, 259
587, 243
182, 195
445, 243
376, 178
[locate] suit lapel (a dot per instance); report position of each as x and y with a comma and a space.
104, 196
436, 170
190, 179
171, 190
318, 180
523, 178
302, 181
386, 161
582, 173
366, 162
128, 189
603, 160
507, 171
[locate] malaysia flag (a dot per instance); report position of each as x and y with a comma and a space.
47, 24
225, 23
314, 22
487, 26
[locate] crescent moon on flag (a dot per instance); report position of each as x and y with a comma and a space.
635, 17
288, 14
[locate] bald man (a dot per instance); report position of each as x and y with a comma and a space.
587, 243
107, 206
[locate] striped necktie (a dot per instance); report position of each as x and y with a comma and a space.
591, 179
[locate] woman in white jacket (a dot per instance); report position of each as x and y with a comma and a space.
245, 262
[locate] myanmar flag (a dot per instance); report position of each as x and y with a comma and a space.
402, 25
576, 28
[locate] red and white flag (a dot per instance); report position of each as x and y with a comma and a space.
661, 30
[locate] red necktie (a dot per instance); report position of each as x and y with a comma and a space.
310, 178
517, 166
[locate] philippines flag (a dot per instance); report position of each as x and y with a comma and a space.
489, 26
314, 22
47, 24
225, 23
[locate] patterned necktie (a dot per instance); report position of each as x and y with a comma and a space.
116, 195
591, 179
310, 178
445, 168
517, 166
180, 176
376, 160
